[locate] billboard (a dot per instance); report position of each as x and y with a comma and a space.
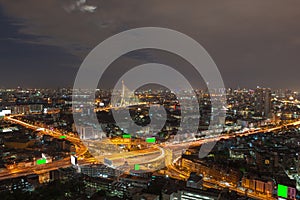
41, 161
74, 160
151, 140
282, 191
126, 136
136, 167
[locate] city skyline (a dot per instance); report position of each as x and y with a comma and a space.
156, 100
44, 143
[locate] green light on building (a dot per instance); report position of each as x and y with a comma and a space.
63, 137
151, 140
136, 167
41, 161
126, 136
282, 191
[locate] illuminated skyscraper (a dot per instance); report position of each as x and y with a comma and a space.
263, 101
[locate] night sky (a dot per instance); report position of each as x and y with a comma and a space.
254, 43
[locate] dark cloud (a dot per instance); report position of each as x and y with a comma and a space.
253, 42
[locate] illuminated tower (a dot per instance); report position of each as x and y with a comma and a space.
123, 102
127, 97
263, 101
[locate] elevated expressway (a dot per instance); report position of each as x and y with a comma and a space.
39, 169
155, 157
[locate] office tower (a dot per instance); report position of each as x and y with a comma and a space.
263, 101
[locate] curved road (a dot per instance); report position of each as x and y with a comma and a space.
145, 155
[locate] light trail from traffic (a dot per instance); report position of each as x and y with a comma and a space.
135, 157
39, 169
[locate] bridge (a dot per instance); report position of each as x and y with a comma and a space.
122, 100
158, 156
155, 157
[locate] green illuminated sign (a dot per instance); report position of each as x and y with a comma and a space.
136, 167
151, 140
63, 137
282, 191
126, 136
41, 161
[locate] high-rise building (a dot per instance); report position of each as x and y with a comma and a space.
263, 101
89, 132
